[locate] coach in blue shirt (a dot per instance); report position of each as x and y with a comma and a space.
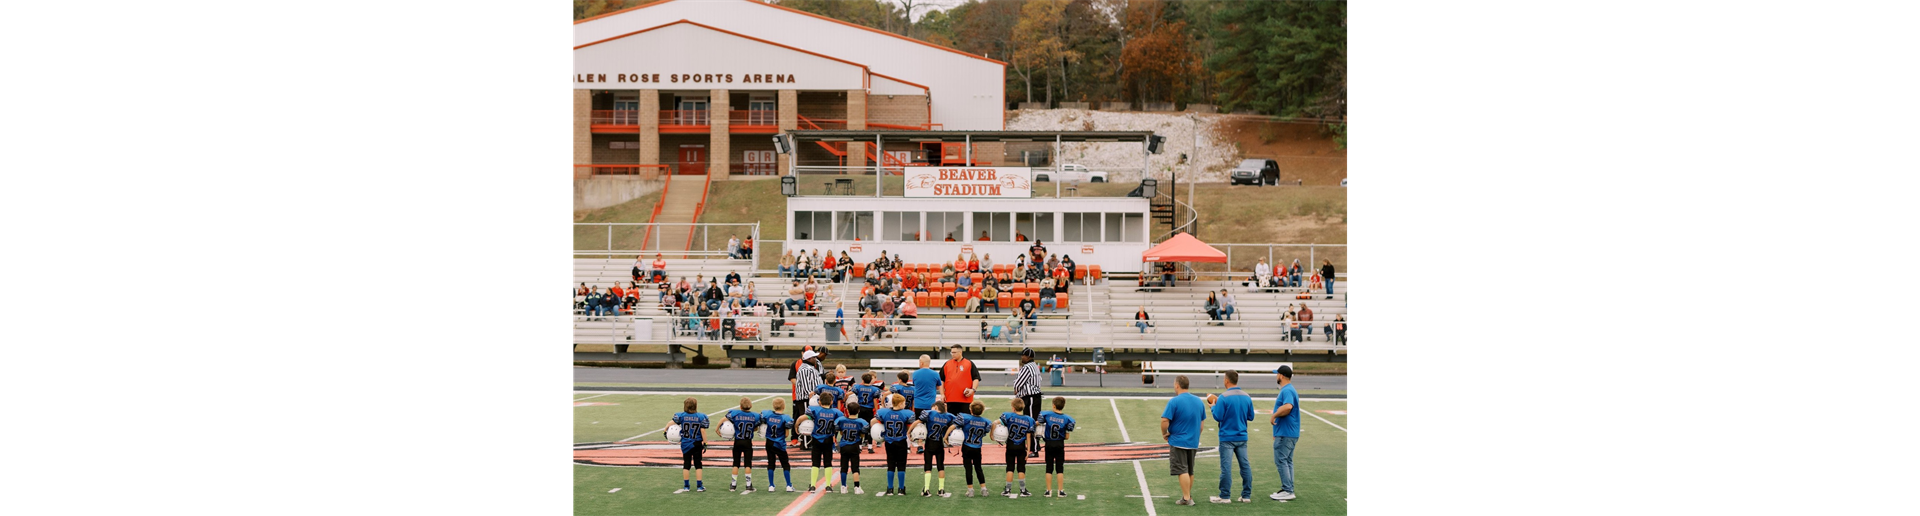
1286, 431
1233, 410
1180, 426
926, 386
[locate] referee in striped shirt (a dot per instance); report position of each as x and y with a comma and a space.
1026, 386
807, 378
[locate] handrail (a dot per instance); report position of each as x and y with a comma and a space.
685, 117
811, 326
615, 117
698, 209
657, 205
595, 167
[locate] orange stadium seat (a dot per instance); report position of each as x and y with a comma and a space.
859, 270
1062, 299
1005, 300
977, 278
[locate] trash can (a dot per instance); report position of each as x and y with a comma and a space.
1058, 379
833, 331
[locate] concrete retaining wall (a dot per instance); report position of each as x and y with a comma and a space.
603, 191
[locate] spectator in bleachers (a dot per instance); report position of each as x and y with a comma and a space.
983, 236
973, 262
1166, 274
990, 296
1227, 305
659, 268
1019, 270
1292, 326
831, 266
988, 333
1013, 327
1315, 282
746, 248
1038, 250
1213, 309
637, 262
633, 296
1326, 274
786, 264
733, 246
732, 278
1262, 274
1141, 320
666, 290
1305, 316
583, 290
1071, 267
778, 311
844, 268
908, 312
1028, 314
1339, 328
609, 303
963, 279
802, 265
869, 326
796, 296
986, 263
973, 300
1047, 299
950, 236
1019, 237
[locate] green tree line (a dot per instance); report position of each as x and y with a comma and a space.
1273, 57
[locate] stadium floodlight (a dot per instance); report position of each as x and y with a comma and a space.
1149, 188
781, 145
788, 186
1156, 143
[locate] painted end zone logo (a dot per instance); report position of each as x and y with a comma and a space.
592, 404
1008, 182
659, 454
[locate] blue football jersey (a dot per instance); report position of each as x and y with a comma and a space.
1017, 427
1054, 426
690, 425
975, 427
864, 394
850, 431
823, 418
777, 426
837, 394
743, 423
937, 424
896, 422
905, 390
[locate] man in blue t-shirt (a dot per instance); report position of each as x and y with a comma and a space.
1286, 431
744, 421
1233, 410
823, 415
1019, 429
933, 454
861, 400
975, 428
778, 424
926, 386
692, 445
1180, 426
1054, 427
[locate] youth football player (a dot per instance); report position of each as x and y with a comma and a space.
778, 424
1019, 428
850, 433
897, 419
933, 455
1055, 426
904, 388
823, 416
975, 428
862, 402
691, 422
744, 421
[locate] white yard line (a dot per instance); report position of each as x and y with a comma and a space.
1118, 422
708, 414
590, 397
1145, 495
1323, 420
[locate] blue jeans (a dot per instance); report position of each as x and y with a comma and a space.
1237, 450
785, 270
1226, 313
1283, 459
1142, 325
1329, 286
1295, 280
1050, 304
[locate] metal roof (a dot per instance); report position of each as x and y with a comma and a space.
892, 135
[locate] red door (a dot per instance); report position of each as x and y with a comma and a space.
693, 159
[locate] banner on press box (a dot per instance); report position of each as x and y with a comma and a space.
1005, 182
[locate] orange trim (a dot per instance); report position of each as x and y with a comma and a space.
698, 209
790, 9
863, 68
902, 81
656, 211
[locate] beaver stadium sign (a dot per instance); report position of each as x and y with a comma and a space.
1006, 182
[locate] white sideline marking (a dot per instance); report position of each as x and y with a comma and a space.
1145, 496
615, 490
1122, 424
708, 414
1324, 420
590, 397
1154, 496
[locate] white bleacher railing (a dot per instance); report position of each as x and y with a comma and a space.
591, 238
1082, 333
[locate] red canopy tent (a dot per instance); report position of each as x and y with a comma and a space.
1183, 248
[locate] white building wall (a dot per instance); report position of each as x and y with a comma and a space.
966, 92
686, 49
1110, 256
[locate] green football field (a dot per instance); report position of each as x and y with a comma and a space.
602, 419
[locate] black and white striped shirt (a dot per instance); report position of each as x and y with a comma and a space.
1028, 382
809, 379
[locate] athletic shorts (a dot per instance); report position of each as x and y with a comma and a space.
935, 456
1180, 460
850, 458
1016, 457
691, 459
1056, 456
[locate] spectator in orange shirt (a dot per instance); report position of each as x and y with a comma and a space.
983, 236
659, 268
950, 237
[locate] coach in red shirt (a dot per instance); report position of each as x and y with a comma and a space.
958, 379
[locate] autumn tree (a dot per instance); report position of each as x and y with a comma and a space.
1157, 61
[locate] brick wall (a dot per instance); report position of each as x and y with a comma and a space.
582, 130
649, 127
722, 142
897, 109
788, 102
856, 119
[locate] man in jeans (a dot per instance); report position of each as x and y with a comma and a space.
1286, 431
1233, 410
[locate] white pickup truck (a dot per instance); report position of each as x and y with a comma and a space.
1071, 172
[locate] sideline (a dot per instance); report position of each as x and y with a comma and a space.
1324, 420
709, 414
1146, 496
